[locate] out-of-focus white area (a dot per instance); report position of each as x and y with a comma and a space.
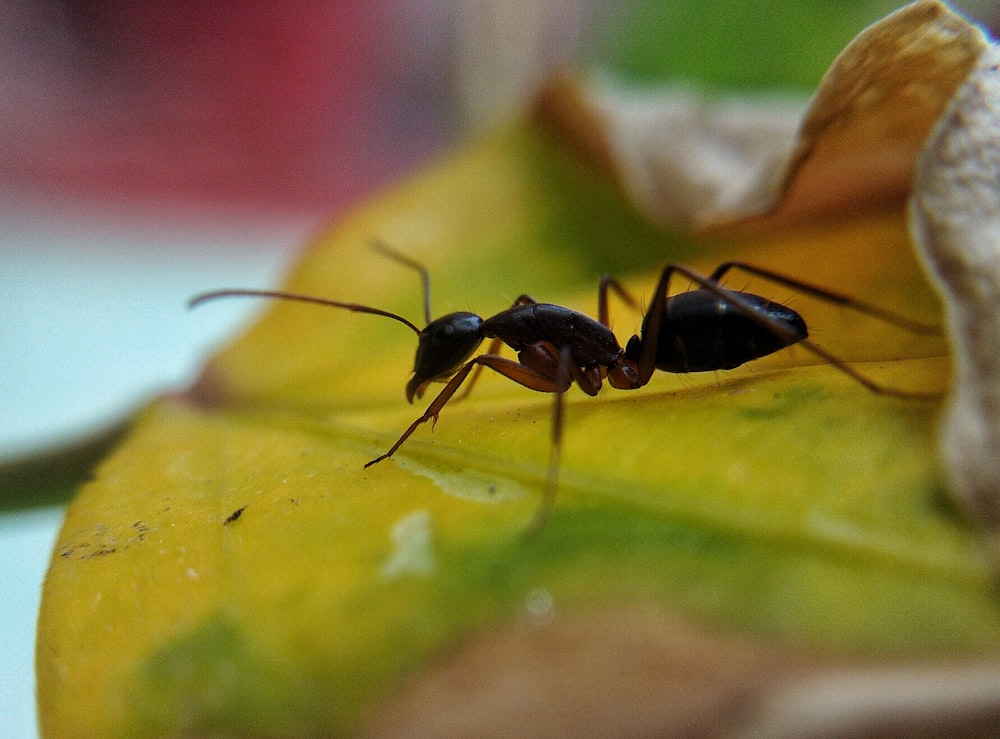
26, 539
93, 316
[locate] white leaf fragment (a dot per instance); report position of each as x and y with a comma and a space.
917, 699
468, 483
680, 155
955, 217
413, 547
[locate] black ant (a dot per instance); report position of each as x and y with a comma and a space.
705, 329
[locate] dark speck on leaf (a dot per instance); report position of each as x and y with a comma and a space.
234, 515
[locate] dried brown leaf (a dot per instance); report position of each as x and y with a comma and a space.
691, 162
874, 109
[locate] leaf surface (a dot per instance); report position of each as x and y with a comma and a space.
246, 573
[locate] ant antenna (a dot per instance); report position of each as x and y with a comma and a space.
383, 248
279, 295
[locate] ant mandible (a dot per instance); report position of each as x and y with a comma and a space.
705, 329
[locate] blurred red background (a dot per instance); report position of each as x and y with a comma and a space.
297, 105
290, 104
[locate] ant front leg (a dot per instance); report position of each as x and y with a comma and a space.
515, 371
493, 348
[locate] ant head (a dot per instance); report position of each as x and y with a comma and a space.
444, 345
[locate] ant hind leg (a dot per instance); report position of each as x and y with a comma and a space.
821, 293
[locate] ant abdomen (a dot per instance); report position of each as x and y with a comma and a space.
702, 332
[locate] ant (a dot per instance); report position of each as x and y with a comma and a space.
704, 329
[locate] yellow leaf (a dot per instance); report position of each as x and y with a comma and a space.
233, 566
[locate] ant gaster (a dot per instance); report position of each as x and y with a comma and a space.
704, 329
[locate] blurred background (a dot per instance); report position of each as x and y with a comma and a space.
149, 151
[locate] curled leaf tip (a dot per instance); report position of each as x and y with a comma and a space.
689, 161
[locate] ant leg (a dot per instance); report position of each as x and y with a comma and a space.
862, 379
607, 281
529, 378
523, 374
780, 329
431, 413
519, 373
547, 360
646, 364
547, 503
883, 314
493, 348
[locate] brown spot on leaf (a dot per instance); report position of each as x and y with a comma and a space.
607, 674
234, 515
646, 674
